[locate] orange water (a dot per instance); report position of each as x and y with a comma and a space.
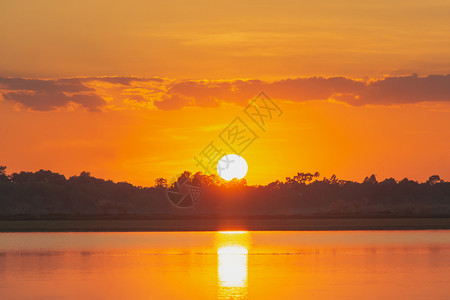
226, 265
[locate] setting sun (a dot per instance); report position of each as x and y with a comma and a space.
229, 150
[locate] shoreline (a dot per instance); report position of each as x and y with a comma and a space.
286, 224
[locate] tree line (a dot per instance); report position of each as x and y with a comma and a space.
46, 194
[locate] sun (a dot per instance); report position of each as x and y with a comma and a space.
232, 166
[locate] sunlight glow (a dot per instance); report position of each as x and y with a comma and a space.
232, 252
232, 266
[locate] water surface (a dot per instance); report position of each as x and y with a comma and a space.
226, 265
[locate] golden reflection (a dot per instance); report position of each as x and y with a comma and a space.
232, 267
232, 253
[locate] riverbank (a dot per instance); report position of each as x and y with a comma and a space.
223, 224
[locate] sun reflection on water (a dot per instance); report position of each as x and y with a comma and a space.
232, 253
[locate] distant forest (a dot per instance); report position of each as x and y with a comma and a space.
45, 194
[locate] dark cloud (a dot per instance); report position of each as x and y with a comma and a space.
92, 102
207, 94
401, 90
49, 101
386, 91
43, 85
315, 88
48, 94
45, 95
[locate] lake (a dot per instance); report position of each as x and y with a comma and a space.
226, 265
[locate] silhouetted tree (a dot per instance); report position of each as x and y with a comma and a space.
301, 178
39, 176
276, 185
370, 180
45, 193
333, 179
3, 176
434, 179
160, 182
389, 181
305, 177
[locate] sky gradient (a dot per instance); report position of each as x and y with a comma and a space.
134, 90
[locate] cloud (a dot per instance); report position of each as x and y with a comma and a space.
49, 101
46, 95
386, 91
172, 102
401, 90
118, 80
315, 88
210, 94
49, 94
43, 85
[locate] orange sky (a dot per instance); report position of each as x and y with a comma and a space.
177, 73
